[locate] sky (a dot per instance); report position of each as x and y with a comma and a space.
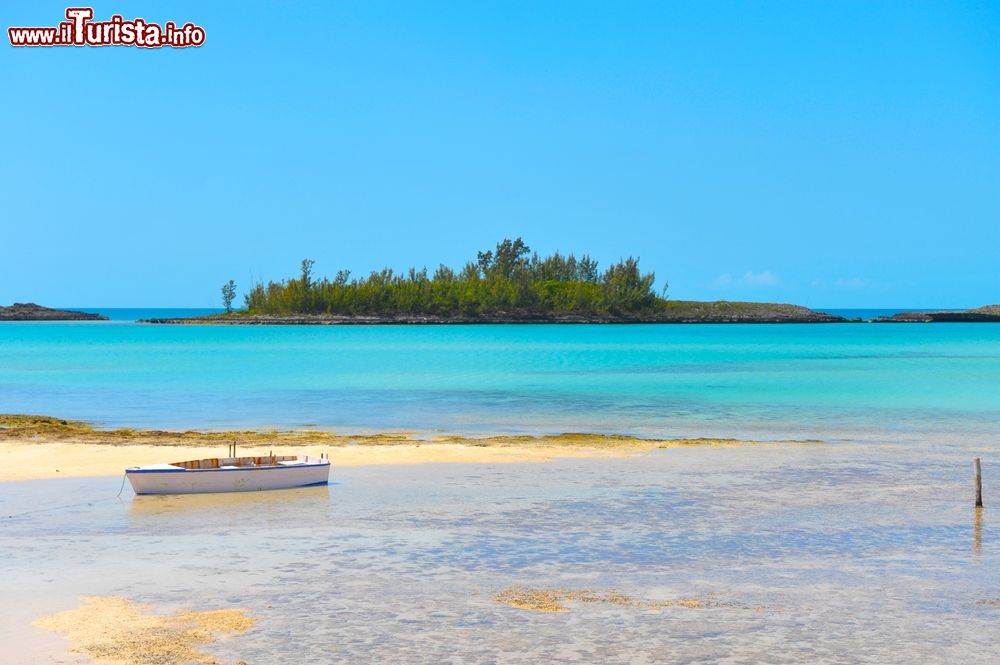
830, 154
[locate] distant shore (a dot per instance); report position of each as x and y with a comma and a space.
987, 314
41, 447
675, 311
29, 311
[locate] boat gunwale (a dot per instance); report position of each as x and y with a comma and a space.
139, 469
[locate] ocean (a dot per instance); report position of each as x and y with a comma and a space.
794, 554
859, 381
862, 548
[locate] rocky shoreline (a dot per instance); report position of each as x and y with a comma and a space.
674, 312
20, 311
987, 314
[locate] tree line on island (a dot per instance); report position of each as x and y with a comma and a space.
507, 281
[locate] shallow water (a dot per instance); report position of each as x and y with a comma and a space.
839, 552
824, 381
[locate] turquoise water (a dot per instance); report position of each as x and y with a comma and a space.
763, 380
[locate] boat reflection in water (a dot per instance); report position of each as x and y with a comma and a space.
232, 506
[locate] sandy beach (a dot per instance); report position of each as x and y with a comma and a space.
41, 447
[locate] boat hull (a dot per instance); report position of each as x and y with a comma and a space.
202, 481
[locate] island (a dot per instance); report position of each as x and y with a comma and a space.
986, 314
676, 311
20, 311
507, 284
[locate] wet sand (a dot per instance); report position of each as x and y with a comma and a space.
39, 447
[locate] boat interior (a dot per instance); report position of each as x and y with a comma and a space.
241, 462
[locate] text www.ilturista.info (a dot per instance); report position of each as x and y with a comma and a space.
80, 30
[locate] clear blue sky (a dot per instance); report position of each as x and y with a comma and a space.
825, 153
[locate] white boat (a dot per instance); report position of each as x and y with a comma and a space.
230, 474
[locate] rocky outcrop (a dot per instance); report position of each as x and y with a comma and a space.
21, 311
724, 311
987, 314
675, 311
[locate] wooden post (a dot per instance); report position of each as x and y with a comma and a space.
979, 482
977, 533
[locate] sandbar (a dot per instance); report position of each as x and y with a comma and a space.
42, 447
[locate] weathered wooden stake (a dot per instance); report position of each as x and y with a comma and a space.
977, 532
979, 482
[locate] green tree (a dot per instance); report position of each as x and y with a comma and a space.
228, 295
507, 281
307, 269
